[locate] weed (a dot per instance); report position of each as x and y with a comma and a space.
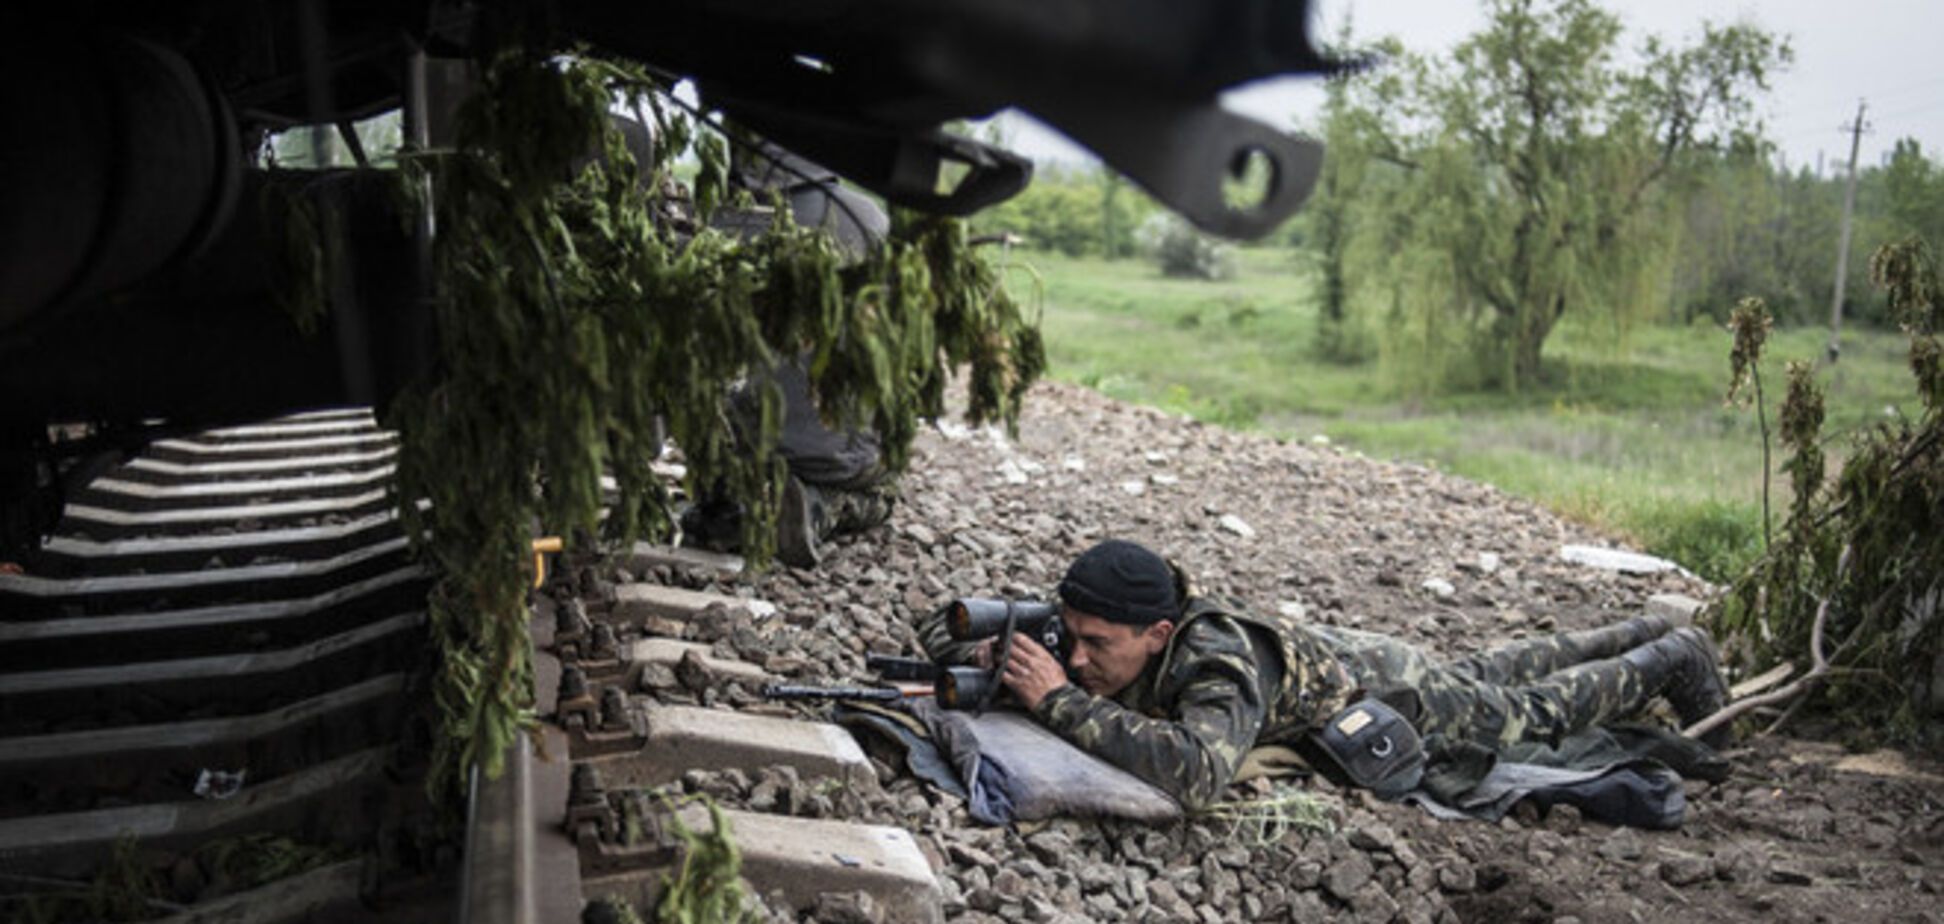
708, 887
1265, 820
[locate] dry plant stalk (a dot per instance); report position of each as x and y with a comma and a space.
1819, 666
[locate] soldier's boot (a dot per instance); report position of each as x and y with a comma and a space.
1682, 666
802, 524
813, 513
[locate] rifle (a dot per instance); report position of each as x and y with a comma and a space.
956, 686
967, 619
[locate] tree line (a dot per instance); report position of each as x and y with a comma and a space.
1545, 168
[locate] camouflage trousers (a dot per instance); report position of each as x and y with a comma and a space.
1539, 689
850, 510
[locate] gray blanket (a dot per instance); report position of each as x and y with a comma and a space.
1622, 775
1010, 768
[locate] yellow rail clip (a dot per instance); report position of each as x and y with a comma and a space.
541, 548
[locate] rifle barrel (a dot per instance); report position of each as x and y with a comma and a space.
787, 691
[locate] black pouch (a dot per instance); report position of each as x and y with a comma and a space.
1374, 746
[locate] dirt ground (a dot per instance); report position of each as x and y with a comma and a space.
1802, 831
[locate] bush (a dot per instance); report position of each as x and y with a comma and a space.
1073, 212
1857, 571
1182, 251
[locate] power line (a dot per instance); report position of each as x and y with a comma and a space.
1912, 110
1904, 89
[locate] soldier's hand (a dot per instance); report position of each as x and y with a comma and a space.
1031, 671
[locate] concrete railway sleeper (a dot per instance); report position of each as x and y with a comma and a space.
291, 429
183, 451
42, 702
225, 641
156, 471
65, 556
594, 827
94, 522
170, 634
165, 762
219, 654
322, 801
28, 597
137, 495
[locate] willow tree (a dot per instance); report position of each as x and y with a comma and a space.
1330, 216
1530, 161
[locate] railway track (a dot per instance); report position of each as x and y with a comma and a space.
206, 684
208, 689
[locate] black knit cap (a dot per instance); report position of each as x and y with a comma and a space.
1121, 582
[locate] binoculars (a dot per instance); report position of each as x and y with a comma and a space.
971, 619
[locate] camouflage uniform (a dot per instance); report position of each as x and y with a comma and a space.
1536, 690
851, 510
1230, 680
840, 474
1227, 681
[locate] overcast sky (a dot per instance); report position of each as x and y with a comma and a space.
1884, 51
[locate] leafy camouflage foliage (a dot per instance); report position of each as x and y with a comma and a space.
1885, 512
579, 298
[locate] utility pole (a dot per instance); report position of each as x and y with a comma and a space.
1856, 130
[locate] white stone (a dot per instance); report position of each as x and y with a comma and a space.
1292, 609
1617, 560
1155, 458
1320, 440
1163, 479
1073, 464
1439, 587
952, 430
1010, 471
1136, 488
635, 601
1236, 525
1488, 562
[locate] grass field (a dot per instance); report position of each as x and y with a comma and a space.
1629, 433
